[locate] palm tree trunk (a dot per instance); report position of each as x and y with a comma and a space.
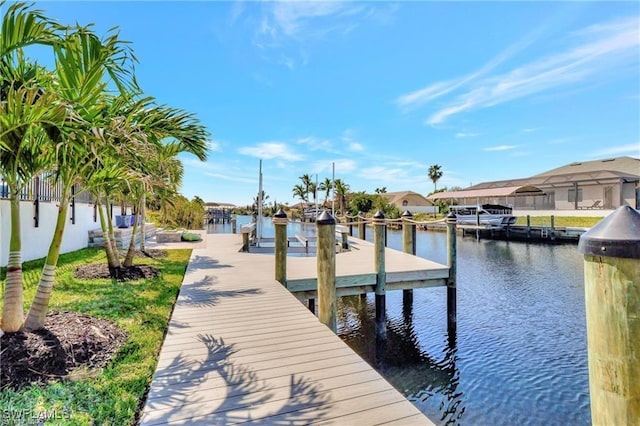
39, 307
128, 260
143, 210
112, 257
112, 240
13, 311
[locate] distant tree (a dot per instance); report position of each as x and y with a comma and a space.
382, 190
300, 192
342, 189
313, 190
435, 173
361, 202
264, 198
326, 185
306, 184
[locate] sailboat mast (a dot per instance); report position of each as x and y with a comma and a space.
259, 218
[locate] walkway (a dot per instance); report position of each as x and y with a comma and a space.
241, 349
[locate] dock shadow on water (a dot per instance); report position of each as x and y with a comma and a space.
397, 355
218, 390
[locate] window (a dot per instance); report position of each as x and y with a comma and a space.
572, 195
405, 203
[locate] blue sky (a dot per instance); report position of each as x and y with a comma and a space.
487, 90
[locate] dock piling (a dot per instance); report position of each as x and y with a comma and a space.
379, 266
233, 224
612, 296
280, 224
408, 246
451, 282
326, 268
362, 227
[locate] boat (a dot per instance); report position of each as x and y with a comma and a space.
311, 213
484, 214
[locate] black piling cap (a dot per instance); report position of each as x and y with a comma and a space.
280, 214
617, 235
378, 215
407, 213
451, 217
325, 218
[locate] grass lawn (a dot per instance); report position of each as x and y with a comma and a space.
560, 221
142, 308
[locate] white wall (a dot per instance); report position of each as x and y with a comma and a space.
36, 241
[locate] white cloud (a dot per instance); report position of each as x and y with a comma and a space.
316, 144
596, 49
500, 148
356, 147
616, 45
461, 135
632, 149
271, 150
529, 130
232, 178
213, 146
441, 88
294, 24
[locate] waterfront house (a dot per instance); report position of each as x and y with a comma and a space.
409, 200
585, 185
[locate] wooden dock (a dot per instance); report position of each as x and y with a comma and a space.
241, 349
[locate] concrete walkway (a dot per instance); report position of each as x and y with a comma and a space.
241, 349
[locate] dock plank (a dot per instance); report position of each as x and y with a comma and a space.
242, 349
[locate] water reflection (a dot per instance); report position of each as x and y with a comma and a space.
399, 356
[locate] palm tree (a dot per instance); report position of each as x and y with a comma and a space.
435, 174
28, 116
382, 190
326, 185
306, 183
313, 190
300, 192
341, 191
82, 63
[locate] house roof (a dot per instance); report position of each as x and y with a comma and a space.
398, 196
598, 171
622, 165
503, 191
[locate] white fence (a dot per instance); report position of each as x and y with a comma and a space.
36, 240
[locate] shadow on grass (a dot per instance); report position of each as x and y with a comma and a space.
218, 391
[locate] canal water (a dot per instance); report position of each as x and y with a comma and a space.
519, 356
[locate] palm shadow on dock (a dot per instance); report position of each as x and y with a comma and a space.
199, 262
219, 391
202, 293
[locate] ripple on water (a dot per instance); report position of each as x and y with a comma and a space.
520, 354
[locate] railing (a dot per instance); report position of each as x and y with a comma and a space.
41, 189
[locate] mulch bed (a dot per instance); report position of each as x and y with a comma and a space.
70, 342
101, 270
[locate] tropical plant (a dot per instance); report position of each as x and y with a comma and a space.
300, 192
435, 173
29, 115
83, 62
306, 184
326, 185
341, 191
382, 190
